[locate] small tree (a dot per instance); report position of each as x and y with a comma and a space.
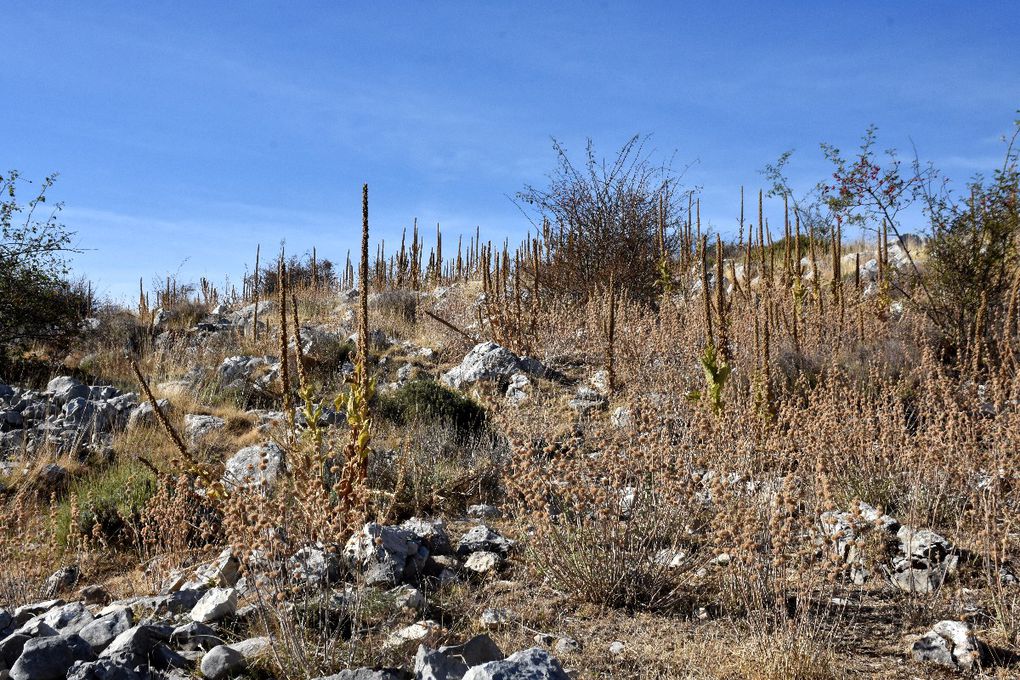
37, 302
607, 220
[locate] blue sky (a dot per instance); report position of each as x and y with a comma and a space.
187, 132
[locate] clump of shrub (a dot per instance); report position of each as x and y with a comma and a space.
398, 304
423, 400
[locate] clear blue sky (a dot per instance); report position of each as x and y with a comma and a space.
187, 132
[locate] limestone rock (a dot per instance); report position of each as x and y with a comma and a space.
216, 604
49, 658
483, 562
253, 466
198, 427
491, 363
224, 661
949, 643
381, 553
102, 631
530, 664
482, 537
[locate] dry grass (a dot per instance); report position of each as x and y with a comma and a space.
692, 533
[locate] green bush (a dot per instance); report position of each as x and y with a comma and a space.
37, 301
972, 266
424, 400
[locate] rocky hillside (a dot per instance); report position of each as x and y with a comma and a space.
787, 485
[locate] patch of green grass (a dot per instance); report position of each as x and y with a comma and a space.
113, 498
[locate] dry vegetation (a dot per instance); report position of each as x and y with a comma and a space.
673, 475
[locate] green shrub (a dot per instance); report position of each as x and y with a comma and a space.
425, 400
972, 265
37, 301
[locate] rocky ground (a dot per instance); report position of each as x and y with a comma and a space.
454, 592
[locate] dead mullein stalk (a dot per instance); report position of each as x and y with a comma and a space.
281, 285
161, 418
766, 275
363, 293
703, 258
723, 348
816, 278
837, 273
303, 383
203, 472
610, 330
787, 251
143, 303
1008, 331
255, 294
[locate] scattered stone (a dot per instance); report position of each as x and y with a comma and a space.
617, 648
599, 381
183, 600
493, 618
432, 533
244, 371
452, 662
489, 362
530, 664
482, 537
64, 388
483, 562
925, 562
222, 571
369, 674
517, 389
483, 511
163, 657
36, 627
145, 414
134, 646
408, 597
315, 566
11, 647
720, 560
198, 427
223, 661
381, 554
587, 400
100, 632
27, 611
69, 618
422, 631
949, 643
51, 478
216, 604
566, 645
49, 658
103, 669
253, 466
